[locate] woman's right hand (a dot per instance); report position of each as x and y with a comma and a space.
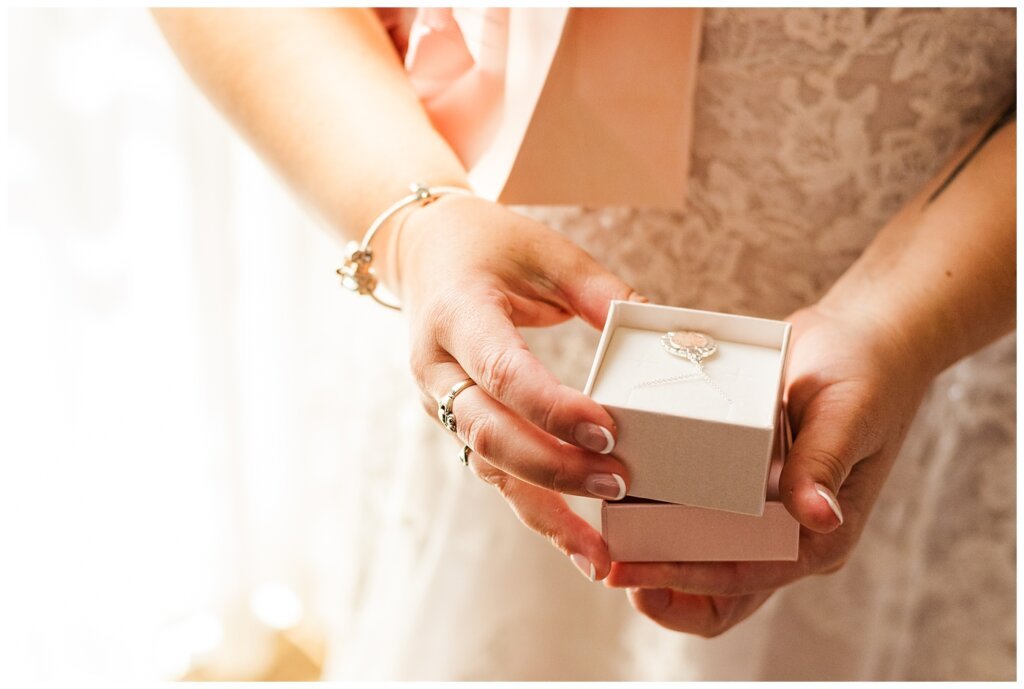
471, 272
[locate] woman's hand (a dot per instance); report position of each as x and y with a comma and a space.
935, 285
471, 271
853, 386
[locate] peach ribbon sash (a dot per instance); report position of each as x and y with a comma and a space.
586, 106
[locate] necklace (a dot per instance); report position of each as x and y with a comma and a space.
695, 347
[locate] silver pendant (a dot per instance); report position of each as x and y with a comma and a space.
689, 344
695, 347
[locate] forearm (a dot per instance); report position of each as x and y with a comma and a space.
322, 95
942, 272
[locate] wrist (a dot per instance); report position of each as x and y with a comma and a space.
364, 267
407, 236
390, 236
892, 326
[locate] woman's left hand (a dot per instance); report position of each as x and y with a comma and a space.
853, 387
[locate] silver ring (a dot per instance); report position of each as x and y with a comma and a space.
444, 406
464, 455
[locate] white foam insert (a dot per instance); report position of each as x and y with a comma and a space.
748, 374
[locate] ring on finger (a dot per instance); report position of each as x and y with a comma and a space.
464, 455
444, 406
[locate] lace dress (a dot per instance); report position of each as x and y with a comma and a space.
811, 129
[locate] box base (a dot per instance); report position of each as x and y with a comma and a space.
647, 531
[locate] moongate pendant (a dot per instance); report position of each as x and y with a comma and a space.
689, 344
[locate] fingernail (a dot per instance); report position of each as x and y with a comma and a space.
637, 297
585, 566
830, 499
607, 486
593, 437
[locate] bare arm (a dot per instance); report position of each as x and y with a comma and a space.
943, 271
322, 95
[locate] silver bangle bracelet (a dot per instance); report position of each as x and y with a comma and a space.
357, 274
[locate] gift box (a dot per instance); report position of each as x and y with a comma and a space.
697, 432
638, 530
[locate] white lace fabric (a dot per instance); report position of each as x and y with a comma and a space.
812, 128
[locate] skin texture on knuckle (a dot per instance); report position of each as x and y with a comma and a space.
500, 367
830, 464
549, 413
561, 478
493, 297
478, 430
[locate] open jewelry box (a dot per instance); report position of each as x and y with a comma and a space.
699, 441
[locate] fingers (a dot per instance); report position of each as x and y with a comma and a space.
590, 289
548, 514
480, 335
706, 616
521, 449
707, 578
832, 438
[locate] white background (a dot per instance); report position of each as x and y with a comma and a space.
173, 333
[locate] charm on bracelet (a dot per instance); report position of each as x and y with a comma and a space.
356, 272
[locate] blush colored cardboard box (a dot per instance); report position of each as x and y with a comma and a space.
638, 530
690, 442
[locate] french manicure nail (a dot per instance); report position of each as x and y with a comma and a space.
830, 499
585, 566
607, 486
592, 437
637, 297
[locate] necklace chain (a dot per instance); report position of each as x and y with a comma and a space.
707, 379
695, 355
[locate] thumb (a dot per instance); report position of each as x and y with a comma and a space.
590, 289
823, 454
